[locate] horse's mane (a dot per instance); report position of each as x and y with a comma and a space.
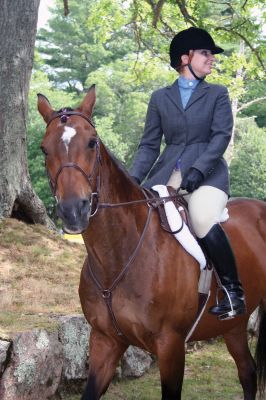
119, 165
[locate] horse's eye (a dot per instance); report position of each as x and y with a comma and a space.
43, 149
92, 143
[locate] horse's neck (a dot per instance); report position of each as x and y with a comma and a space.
113, 233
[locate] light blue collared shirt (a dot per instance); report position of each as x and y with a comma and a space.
186, 88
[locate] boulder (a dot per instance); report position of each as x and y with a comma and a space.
35, 366
74, 337
135, 362
4, 347
253, 323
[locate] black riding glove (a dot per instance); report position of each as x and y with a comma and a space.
192, 180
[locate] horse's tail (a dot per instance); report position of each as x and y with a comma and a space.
260, 352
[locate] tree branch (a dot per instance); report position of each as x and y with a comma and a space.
156, 8
246, 105
66, 8
167, 28
183, 9
253, 49
244, 4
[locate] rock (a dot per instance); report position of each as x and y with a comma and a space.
4, 346
135, 362
35, 367
74, 337
253, 323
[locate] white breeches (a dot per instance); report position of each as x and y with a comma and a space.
205, 205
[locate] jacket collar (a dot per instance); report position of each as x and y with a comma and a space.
173, 93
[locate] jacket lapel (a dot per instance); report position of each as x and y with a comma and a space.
200, 91
174, 95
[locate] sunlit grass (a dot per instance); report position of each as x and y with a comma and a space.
39, 274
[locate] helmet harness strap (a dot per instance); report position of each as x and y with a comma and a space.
191, 53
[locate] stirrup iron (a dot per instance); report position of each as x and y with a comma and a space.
229, 314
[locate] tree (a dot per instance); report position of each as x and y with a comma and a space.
70, 46
254, 102
18, 23
248, 167
122, 46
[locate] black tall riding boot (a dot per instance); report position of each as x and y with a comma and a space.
218, 249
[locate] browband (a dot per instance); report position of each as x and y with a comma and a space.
65, 114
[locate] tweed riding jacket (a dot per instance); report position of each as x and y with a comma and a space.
197, 134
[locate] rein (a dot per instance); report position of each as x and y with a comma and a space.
152, 201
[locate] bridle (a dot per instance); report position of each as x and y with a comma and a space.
64, 115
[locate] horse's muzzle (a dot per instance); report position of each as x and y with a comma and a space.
74, 214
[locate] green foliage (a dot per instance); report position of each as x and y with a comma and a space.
248, 167
74, 46
254, 90
122, 46
68, 47
123, 93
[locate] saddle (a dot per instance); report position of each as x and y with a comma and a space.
181, 205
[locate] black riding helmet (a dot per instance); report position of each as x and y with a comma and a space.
191, 39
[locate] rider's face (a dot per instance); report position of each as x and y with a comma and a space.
202, 62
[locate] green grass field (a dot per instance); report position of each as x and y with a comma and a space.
210, 374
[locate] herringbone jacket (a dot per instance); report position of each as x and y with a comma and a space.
198, 135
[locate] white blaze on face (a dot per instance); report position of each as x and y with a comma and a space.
68, 134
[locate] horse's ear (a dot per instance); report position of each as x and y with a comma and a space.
86, 107
44, 107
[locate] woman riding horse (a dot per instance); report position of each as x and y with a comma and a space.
129, 291
195, 118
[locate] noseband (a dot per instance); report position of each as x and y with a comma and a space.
64, 115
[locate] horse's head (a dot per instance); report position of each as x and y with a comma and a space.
72, 157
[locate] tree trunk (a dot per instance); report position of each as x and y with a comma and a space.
239, 75
18, 25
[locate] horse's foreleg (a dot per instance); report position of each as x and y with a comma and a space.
237, 344
171, 359
105, 353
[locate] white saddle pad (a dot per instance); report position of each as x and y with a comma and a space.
185, 238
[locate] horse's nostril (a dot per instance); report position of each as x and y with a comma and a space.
84, 207
73, 210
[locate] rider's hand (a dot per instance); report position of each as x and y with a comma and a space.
192, 180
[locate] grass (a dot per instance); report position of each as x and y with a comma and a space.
39, 276
210, 374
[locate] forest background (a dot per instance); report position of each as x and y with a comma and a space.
122, 47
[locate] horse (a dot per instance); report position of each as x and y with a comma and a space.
138, 286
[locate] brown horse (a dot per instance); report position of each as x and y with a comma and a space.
138, 285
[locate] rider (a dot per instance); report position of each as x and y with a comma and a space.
196, 120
